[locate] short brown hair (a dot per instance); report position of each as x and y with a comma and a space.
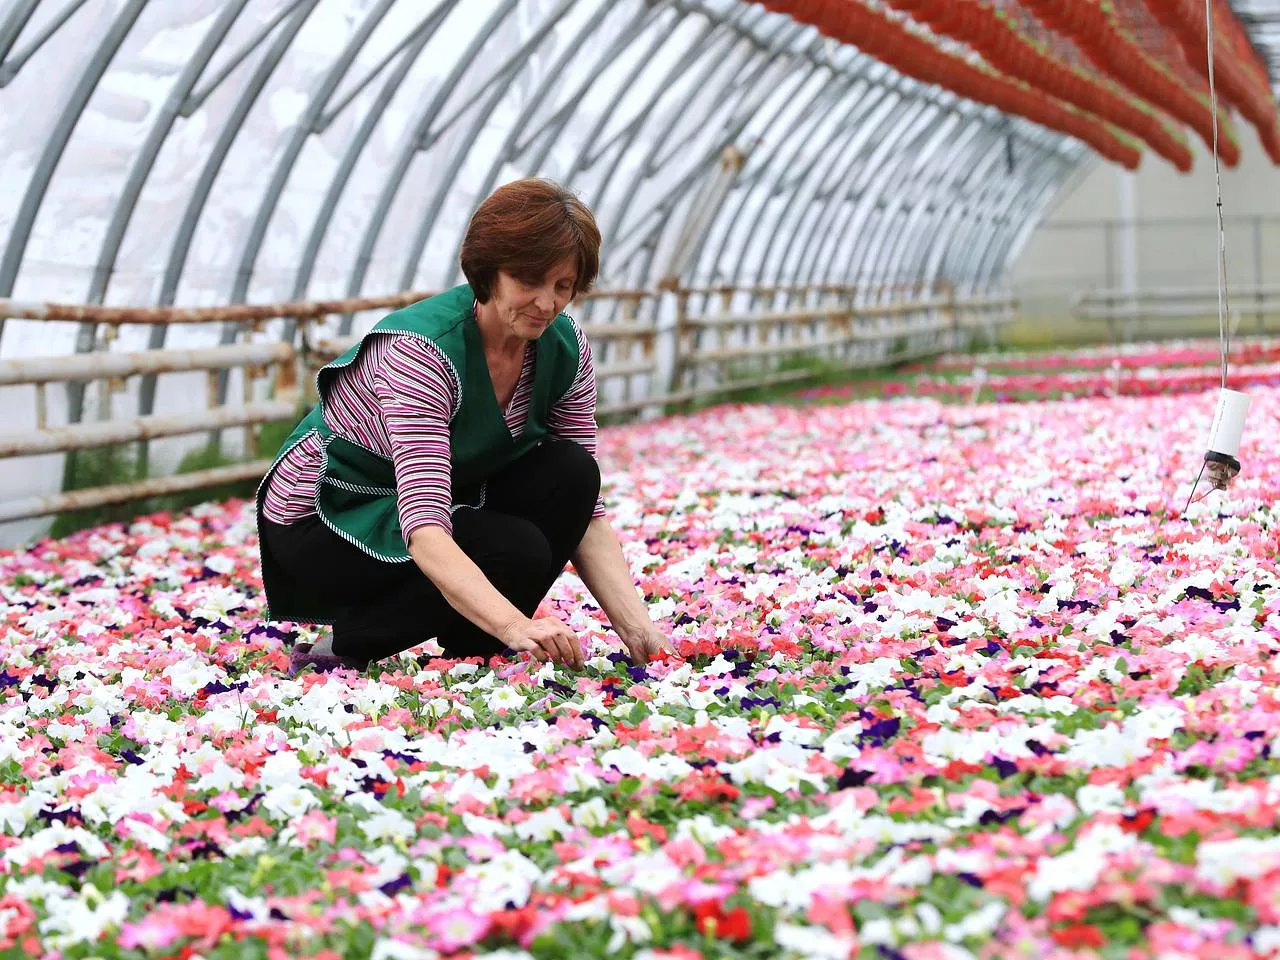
526, 228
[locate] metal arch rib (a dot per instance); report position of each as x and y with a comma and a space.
747, 183
391, 185
581, 160
468, 141
873, 107
297, 140
644, 168
863, 147
14, 24
912, 193
875, 183
802, 186
817, 200
739, 119
1018, 238
204, 184
754, 64
798, 266
512, 148
9, 69
197, 99
302, 129
780, 163
351, 156
56, 144
973, 250
877, 160
1038, 195
993, 263
903, 248
937, 251
935, 230
731, 136
963, 252
874, 186
145, 159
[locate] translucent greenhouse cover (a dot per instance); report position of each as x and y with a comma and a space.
201, 152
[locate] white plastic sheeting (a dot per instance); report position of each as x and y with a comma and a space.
214, 151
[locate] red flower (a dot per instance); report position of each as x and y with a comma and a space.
514, 924
713, 921
640, 827
1138, 822
1079, 935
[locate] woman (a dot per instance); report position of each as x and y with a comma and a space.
448, 473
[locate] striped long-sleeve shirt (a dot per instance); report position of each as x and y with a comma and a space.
398, 399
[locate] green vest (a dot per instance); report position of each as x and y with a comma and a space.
356, 496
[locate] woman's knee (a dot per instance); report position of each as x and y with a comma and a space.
525, 546
578, 469
505, 547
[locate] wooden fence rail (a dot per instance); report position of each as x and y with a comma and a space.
652, 350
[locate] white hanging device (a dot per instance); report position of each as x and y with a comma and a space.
1223, 448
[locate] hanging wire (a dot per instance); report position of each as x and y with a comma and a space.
1224, 295
1224, 300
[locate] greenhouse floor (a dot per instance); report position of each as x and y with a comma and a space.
958, 677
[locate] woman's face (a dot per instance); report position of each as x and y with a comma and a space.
527, 309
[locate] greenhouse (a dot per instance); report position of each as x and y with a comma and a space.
655, 479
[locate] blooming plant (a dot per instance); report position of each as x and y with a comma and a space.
954, 682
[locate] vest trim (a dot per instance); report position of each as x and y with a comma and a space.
359, 487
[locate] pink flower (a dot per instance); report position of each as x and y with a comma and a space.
457, 929
315, 826
150, 933
16, 918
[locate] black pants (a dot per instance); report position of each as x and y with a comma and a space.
535, 514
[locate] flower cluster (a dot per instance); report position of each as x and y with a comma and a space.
954, 682
1139, 370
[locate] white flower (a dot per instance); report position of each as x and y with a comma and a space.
591, 815
1093, 798
1226, 861
813, 943
83, 918
977, 925
542, 826
188, 677
387, 824
507, 878
505, 698
627, 930
629, 761
288, 801
220, 564
399, 950
1124, 572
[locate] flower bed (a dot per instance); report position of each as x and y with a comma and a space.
1134, 356
955, 682
1144, 381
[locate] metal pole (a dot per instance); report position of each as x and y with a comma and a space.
56, 144
1257, 269
13, 25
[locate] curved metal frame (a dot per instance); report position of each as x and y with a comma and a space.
56, 144
857, 179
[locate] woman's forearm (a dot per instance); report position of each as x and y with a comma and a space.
603, 568
461, 582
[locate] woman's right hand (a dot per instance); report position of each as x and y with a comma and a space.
547, 638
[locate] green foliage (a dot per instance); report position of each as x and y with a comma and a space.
121, 463
97, 467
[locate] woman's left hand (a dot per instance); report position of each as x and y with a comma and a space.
647, 644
